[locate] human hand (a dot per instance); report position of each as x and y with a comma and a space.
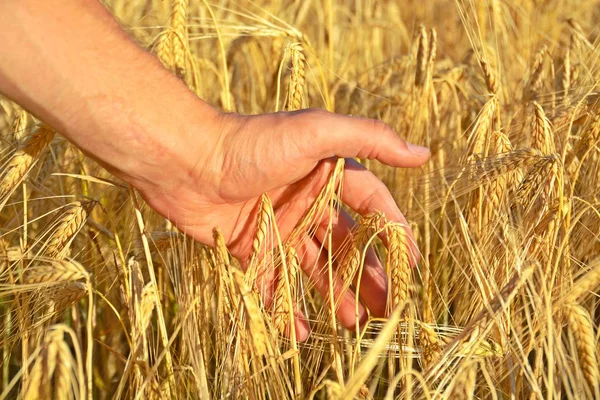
289, 156
197, 167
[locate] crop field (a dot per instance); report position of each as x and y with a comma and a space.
100, 297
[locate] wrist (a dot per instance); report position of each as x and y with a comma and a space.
151, 138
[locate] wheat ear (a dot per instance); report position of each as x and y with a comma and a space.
581, 326
20, 163
67, 227
398, 265
297, 77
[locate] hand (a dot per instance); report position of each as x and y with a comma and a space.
289, 156
195, 166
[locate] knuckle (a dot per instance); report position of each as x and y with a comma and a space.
381, 128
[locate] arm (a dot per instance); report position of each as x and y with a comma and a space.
69, 63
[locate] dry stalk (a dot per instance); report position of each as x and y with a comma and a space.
480, 324
63, 376
21, 162
566, 74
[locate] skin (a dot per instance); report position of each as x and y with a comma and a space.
70, 64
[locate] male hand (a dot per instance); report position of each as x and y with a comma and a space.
289, 156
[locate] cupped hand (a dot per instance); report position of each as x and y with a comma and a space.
289, 156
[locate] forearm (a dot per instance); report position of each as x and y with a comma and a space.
70, 64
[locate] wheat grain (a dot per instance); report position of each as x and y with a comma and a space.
430, 344
297, 78
63, 377
398, 265
263, 222
489, 76
464, 384
535, 78
64, 296
70, 223
179, 40
18, 127
147, 304
282, 303
55, 272
350, 259
542, 133
255, 322
422, 58
580, 325
20, 163
585, 284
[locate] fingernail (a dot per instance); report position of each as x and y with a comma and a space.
417, 150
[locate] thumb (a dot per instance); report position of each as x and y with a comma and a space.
347, 137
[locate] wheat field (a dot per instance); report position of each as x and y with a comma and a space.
102, 298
